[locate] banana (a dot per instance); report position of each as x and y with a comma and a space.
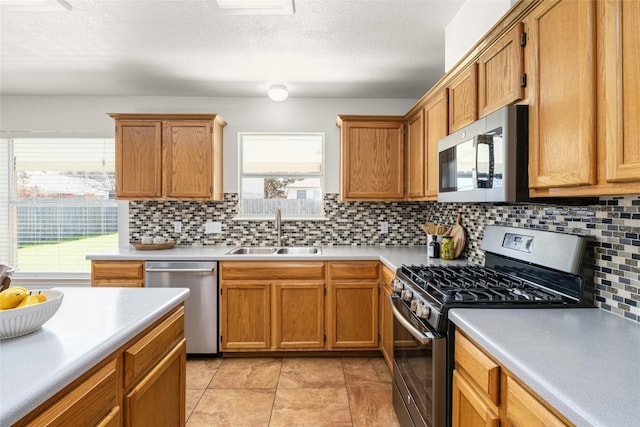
29, 300
41, 297
10, 298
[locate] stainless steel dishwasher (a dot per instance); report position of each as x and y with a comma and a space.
201, 308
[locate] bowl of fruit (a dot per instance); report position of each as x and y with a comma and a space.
23, 311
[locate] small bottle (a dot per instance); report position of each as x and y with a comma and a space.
434, 247
447, 247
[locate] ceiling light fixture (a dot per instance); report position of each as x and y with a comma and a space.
278, 92
257, 7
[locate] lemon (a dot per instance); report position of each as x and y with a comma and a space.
10, 298
29, 300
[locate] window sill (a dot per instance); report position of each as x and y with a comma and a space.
271, 218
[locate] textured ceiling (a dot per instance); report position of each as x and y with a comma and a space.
328, 48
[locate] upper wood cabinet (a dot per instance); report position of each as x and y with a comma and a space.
620, 79
426, 125
436, 123
584, 98
463, 98
562, 102
501, 77
416, 156
371, 157
174, 156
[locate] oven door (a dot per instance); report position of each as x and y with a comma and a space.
419, 369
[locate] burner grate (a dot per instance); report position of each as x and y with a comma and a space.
450, 284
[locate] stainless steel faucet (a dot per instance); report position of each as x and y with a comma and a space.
278, 226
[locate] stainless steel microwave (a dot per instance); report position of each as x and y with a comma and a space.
487, 160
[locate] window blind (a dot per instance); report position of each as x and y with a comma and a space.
58, 202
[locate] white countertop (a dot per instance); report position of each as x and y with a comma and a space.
90, 325
585, 362
392, 256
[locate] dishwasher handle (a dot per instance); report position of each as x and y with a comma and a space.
180, 270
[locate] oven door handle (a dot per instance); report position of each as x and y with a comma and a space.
423, 337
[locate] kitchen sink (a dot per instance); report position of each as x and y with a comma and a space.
299, 250
252, 250
268, 250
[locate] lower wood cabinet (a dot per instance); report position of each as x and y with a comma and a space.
245, 315
485, 394
129, 273
298, 313
272, 305
353, 305
143, 383
289, 306
92, 400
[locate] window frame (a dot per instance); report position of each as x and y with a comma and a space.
321, 176
47, 279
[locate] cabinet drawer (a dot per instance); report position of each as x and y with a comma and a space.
478, 366
271, 270
354, 270
127, 270
387, 277
142, 355
89, 403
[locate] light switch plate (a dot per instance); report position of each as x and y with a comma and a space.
384, 227
213, 227
177, 227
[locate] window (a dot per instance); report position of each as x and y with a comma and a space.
281, 169
56, 203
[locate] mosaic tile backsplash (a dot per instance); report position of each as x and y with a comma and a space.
614, 225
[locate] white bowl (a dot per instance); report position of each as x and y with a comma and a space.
16, 322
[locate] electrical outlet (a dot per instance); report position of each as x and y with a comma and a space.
213, 227
384, 227
177, 227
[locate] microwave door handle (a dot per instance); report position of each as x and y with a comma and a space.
474, 163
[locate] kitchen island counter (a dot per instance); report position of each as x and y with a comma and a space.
582, 361
89, 326
392, 256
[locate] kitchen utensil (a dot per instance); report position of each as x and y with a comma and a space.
5, 283
458, 234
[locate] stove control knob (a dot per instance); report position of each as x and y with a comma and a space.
424, 311
397, 285
415, 303
407, 295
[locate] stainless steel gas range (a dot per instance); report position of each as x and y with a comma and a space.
524, 268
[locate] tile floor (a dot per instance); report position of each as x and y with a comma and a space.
289, 391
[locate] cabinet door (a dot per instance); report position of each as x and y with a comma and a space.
372, 163
415, 156
159, 398
298, 309
353, 314
500, 70
436, 124
463, 99
525, 410
138, 156
188, 159
562, 107
245, 315
621, 81
469, 410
